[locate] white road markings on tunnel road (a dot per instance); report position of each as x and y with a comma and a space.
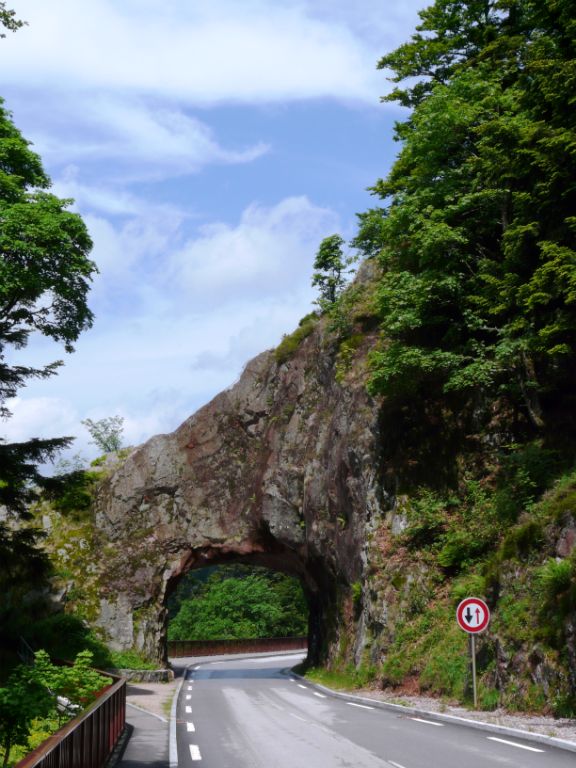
195, 752
188, 696
189, 687
190, 727
188, 710
514, 744
428, 722
360, 706
302, 686
320, 695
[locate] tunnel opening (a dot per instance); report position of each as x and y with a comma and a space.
237, 601
217, 595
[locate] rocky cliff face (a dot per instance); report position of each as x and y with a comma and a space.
390, 513
282, 469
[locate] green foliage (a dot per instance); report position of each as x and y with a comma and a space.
556, 580
477, 238
330, 265
129, 660
22, 700
8, 19
347, 678
106, 433
249, 604
33, 692
290, 343
64, 636
45, 276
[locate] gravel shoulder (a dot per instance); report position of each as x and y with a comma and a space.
560, 728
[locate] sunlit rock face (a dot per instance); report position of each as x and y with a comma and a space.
279, 470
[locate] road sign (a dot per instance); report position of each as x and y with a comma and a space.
473, 615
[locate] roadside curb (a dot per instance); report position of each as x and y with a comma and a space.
479, 725
146, 711
172, 745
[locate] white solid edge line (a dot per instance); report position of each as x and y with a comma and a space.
172, 745
360, 706
395, 765
514, 744
190, 727
195, 752
428, 722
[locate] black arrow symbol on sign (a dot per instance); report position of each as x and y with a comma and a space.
468, 615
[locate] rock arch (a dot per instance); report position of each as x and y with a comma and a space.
280, 470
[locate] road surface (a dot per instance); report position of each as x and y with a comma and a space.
253, 713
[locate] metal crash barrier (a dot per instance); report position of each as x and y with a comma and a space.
178, 648
89, 739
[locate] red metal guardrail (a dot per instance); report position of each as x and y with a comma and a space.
89, 739
178, 648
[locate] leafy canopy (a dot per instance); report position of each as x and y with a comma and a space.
476, 236
241, 603
45, 276
106, 433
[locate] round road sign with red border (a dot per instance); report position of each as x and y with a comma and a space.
473, 615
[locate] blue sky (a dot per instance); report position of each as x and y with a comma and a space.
210, 145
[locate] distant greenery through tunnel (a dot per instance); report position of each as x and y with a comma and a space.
233, 602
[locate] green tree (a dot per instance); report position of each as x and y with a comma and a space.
330, 265
21, 701
106, 433
477, 235
45, 276
8, 20
250, 604
45, 689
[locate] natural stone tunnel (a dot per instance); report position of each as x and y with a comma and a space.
280, 470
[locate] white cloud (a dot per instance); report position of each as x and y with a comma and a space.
268, 253
178, 322
43, 417
204, 53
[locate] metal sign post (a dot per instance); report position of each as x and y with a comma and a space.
473, 616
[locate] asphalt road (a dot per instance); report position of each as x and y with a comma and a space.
252, 713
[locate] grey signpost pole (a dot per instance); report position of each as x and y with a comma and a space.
473, 653
473, 616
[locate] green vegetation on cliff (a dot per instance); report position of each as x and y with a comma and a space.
476, 299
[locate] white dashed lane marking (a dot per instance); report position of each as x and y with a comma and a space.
188, 710
188, 696
320, 695
195, 752
395, 765
360, 706
514, 744
190, 727
302, 686
427, 722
